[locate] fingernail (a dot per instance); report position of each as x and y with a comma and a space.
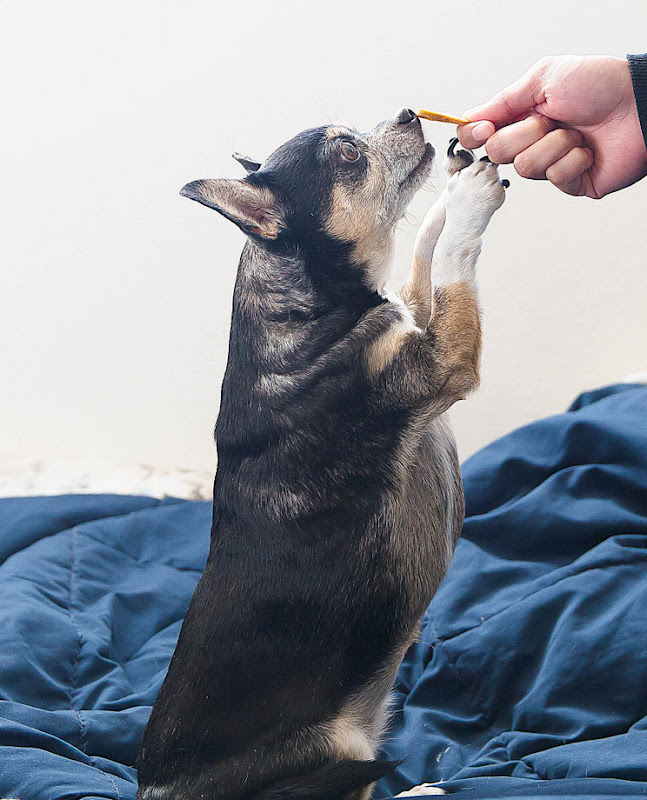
481, 131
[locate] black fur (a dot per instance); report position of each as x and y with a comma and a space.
302, 599
331, 782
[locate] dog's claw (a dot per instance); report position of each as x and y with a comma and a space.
505, 183
485, 158
457, 159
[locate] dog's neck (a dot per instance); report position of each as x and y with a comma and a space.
290, 311
285, 291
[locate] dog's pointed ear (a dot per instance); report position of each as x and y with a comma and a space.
248, 163
251, 204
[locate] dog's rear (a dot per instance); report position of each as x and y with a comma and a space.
337, 501
335, 780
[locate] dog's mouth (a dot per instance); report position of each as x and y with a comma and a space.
420, 171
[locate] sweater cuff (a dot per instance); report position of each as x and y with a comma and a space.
638, 70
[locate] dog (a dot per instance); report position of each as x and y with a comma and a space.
337, 499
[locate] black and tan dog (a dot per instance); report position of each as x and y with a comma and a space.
338, 498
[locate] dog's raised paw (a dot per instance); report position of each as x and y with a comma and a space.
424, 789
474, 193
457, 160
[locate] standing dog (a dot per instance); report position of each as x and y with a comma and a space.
338, 499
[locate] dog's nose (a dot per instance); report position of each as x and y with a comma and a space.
405, 116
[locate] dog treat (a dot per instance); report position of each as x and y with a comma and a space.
434, 117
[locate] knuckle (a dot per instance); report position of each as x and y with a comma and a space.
537, 125
541, 63
542, 125
554, 173
561, 184
562, 174
491, 150
568, 136
495, 150
525, 167
543, 66
570, 167
581, 159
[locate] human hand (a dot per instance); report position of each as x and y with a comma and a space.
571, 120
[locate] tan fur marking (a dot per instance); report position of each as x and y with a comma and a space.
424, 790
255, 206
382, 352
355, 217
337, 130
416, 293
348, 740
457, 324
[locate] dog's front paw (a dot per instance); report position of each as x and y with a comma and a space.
474, 190
456, 160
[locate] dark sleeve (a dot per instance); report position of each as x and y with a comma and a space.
638, 69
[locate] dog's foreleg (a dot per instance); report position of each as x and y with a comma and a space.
437, 363
416, 292
473, 194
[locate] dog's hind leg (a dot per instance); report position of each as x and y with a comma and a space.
424, 790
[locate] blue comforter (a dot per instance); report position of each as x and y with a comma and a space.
530, 677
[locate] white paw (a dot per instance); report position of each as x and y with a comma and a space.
474, 191
422, 790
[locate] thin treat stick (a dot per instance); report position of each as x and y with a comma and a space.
434, 117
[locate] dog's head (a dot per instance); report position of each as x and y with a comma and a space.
329, 185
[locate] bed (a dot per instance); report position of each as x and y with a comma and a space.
529, 677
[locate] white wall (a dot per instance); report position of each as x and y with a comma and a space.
116, 292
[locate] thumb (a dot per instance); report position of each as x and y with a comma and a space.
515, 101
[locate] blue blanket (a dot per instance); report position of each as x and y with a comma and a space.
530, 677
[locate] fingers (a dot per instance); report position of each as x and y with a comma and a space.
506, 144
474, 134
533, 161
568, 172
513, 132
541, 151
503, 145
515, 101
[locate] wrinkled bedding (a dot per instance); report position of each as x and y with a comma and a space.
530, 676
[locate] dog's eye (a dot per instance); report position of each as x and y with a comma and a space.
348, 151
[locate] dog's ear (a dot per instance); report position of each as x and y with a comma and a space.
251, 204
248, 163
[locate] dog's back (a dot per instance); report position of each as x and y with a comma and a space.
291, 642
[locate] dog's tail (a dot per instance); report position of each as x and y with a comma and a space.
333, 782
